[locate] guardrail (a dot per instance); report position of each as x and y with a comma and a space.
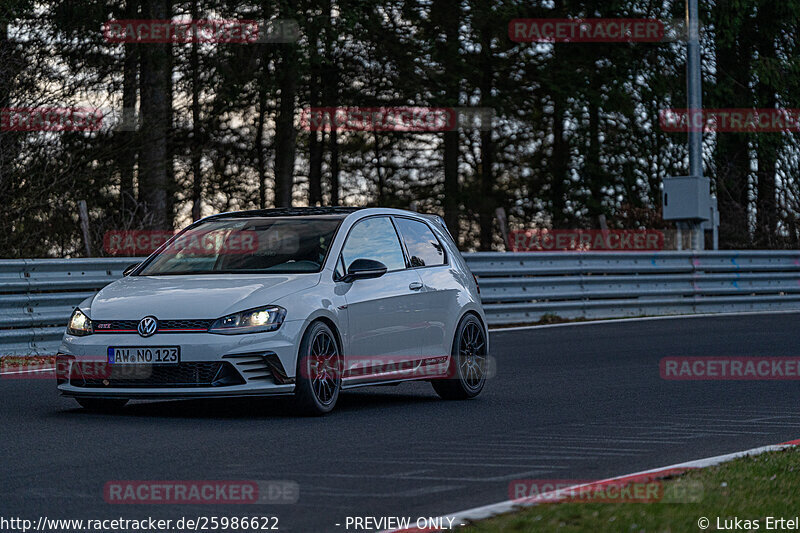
521, 288
37, 295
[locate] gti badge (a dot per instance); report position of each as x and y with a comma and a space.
147, 326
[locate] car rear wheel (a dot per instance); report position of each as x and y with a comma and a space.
319, 371
468, 362
102, 405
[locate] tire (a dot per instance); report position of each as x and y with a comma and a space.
101, 405
319, 371
468, 362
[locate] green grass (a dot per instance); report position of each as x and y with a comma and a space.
748, 488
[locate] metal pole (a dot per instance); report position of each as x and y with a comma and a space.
694, 92
695, 97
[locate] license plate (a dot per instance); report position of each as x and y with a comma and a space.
144, 355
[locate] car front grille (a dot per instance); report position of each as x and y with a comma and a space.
202, 374
164, 326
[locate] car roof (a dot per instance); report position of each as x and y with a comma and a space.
287, 212
333, 211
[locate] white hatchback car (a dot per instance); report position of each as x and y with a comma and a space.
304, 302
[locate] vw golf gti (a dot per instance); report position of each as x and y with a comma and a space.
303, 302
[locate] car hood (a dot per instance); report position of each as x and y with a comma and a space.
193, 296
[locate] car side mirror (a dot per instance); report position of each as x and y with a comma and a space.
130, 268
364, 269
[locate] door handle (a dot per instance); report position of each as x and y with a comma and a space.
415, 286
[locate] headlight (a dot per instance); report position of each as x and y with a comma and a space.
79, 324
250, 321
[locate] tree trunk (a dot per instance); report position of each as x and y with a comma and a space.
156, 105
258, 146
333, 148
558, 162
487, 200
197, 146
769, 144
314, 143
285, 133
172, 189
559, 155
594, 171
330, 89
127, 137
6, 77
732, 154
451, 189
378, 168
448, 17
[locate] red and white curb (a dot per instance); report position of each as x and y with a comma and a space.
487, 511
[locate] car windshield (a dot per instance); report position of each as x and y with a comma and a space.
247, 246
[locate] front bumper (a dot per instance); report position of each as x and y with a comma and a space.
176, 393
256, 364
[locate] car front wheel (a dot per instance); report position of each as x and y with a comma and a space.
468, 362
319, 371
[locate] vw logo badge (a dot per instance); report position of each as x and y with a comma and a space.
147, 326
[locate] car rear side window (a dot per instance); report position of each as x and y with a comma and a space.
424, 249
374, 238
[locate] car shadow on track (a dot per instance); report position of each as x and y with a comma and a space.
254, 408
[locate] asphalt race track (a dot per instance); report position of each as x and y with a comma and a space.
575, 402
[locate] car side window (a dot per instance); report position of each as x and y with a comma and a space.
338, 272
424, 249
374, 238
